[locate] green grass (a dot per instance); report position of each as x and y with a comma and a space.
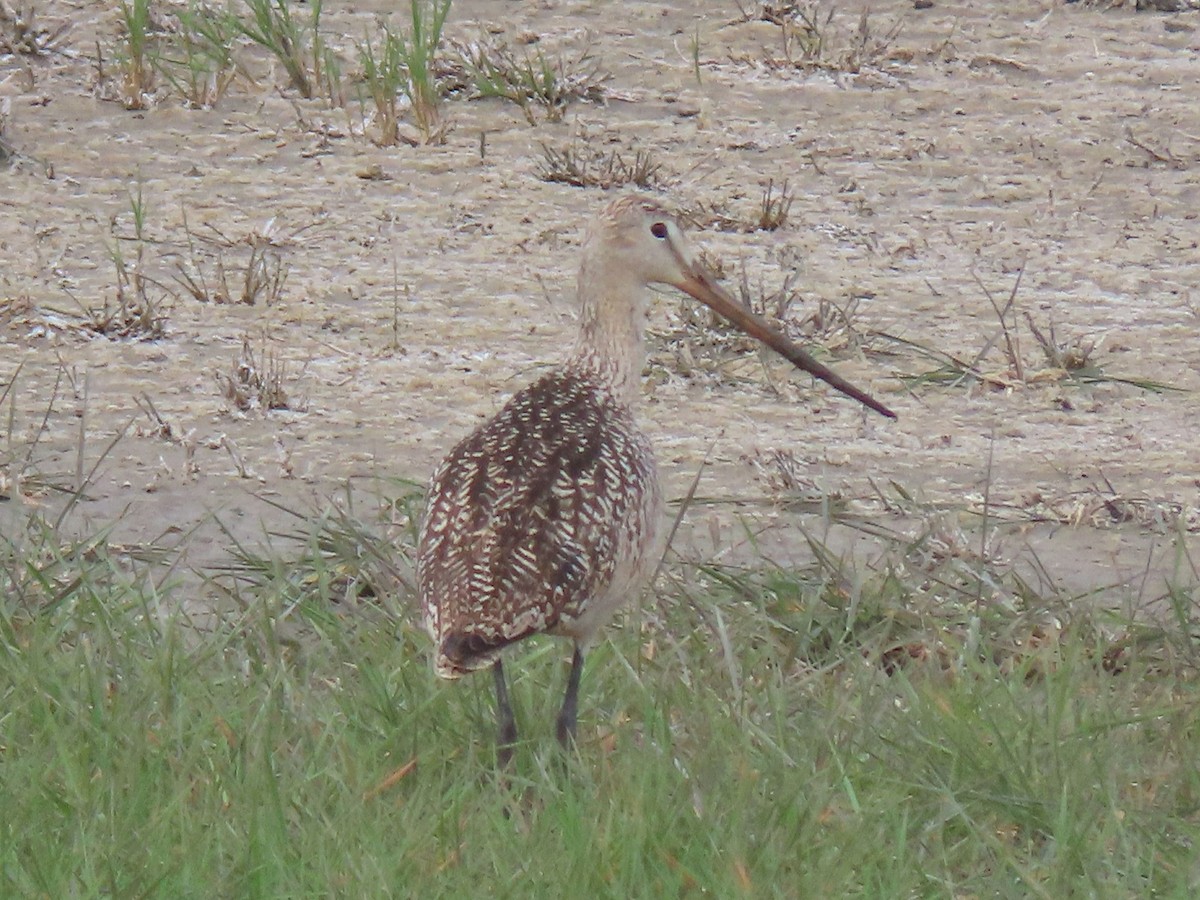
405, 63
199, 60
134, 54
298, 45
418, 53
742, 733
383, 76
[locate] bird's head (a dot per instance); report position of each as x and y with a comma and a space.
636, 238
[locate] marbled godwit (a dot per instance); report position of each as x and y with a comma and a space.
546, 518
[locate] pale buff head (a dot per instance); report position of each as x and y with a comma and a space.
640, 241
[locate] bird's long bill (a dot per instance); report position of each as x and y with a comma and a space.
701, 285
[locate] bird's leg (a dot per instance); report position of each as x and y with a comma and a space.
504, 718
566, 717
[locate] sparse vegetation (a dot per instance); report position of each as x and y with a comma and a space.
258, 381
531, 79
20, 476
703, 343
407, 64
22, 32
582, 164
812, 36
774, 207
259, 279
199, 62
134, 56
138, 308
1069, 362
1143, 5
298, 44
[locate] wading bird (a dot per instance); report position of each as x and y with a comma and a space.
546, 518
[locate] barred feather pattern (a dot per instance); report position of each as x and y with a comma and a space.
543, 520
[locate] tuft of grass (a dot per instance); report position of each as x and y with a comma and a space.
199, 63
1072, 356
582, 164
1069, 362
771, 214
813, 36
337, 555
299, 46
258, 381
21, 477
260, 278
867, 47
419, 54
42, 568
138, 309
407, 64
774, 206
383, 74
532, 80
134, 57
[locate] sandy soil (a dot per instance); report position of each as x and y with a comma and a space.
1058, 138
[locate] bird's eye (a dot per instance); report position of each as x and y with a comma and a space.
659, 230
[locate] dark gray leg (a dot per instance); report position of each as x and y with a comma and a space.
566, 718
504, 718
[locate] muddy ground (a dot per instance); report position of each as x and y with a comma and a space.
424, 284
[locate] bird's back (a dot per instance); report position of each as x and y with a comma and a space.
541, 520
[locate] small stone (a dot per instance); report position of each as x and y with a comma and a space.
373, 172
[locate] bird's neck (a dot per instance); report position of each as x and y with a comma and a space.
612, 325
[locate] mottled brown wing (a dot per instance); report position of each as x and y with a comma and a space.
528, 517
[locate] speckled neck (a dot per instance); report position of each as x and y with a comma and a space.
612, 325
